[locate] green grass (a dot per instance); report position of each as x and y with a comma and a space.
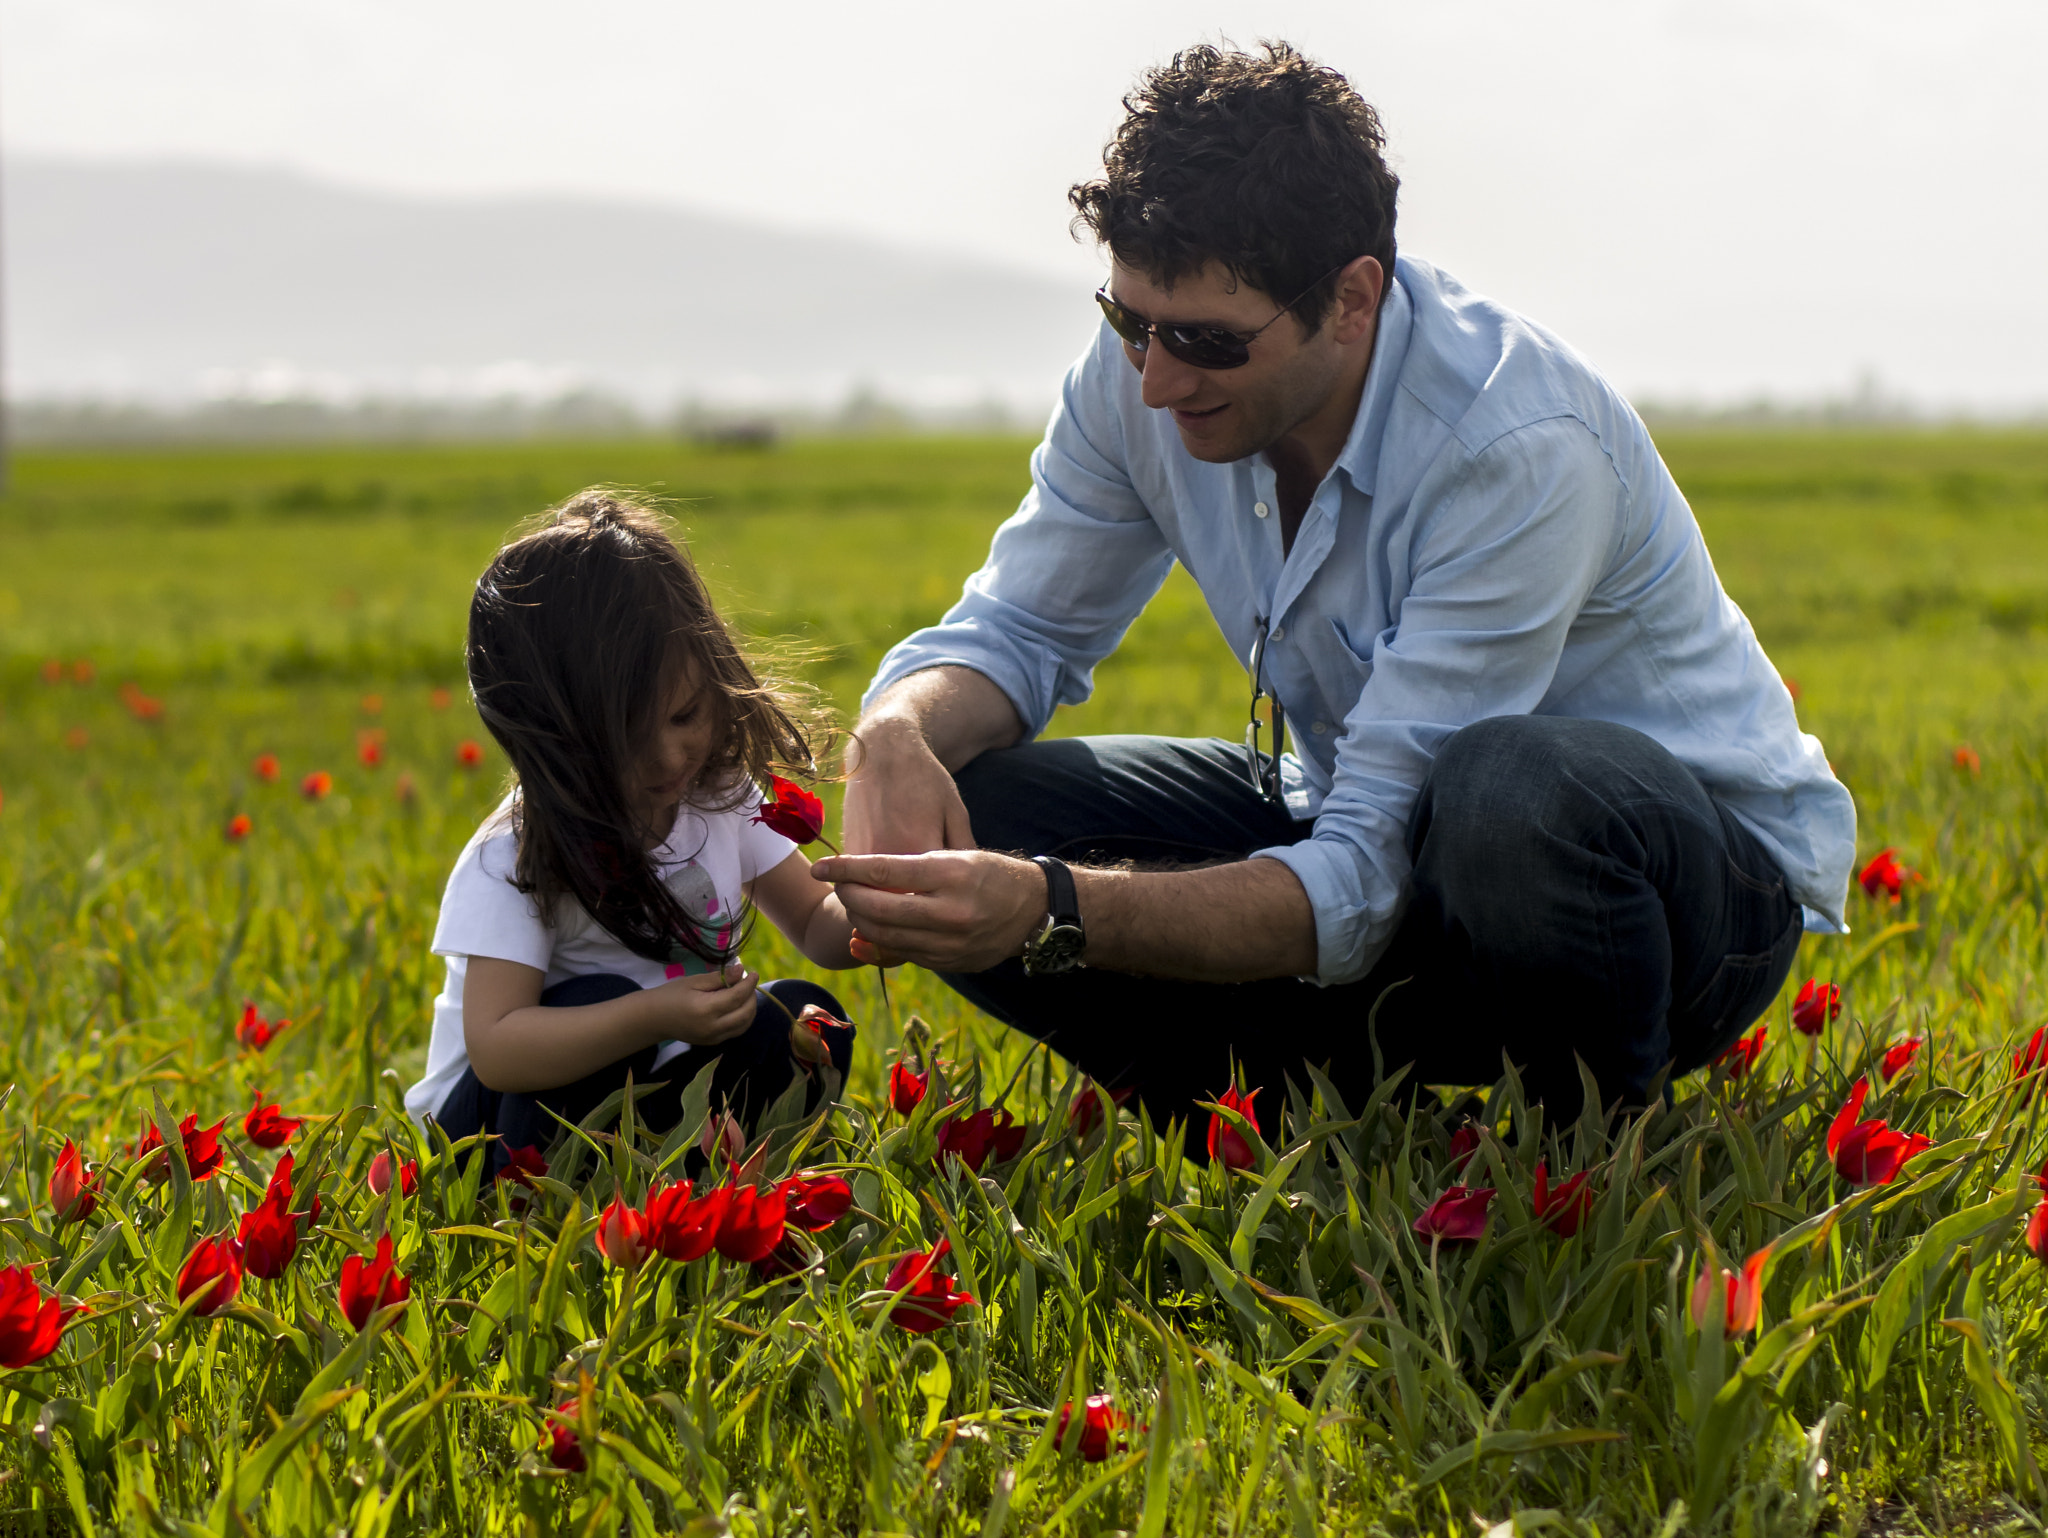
1295, 1359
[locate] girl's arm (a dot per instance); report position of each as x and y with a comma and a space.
807, 911
517, 1047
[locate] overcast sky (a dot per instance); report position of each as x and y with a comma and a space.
1707, 197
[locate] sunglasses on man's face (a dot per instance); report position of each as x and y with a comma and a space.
1210, 347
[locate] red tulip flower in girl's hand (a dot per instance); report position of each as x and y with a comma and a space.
212, 1274
73, 1197
1869, 1153
368, 1285
1226, 1142
1817, 1004
1741, 1294
31, 1323
794, 812
1458, 1215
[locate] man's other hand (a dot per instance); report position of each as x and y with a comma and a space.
899, 798
952, 911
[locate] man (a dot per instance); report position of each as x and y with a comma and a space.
1546, 797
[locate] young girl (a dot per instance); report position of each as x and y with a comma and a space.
592, 925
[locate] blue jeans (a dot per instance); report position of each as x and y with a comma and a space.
1577, 894
747, 1073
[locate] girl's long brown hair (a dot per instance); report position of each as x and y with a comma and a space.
578, 632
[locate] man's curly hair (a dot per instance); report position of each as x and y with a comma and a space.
1268, 164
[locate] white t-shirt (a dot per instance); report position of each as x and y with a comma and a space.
706, 861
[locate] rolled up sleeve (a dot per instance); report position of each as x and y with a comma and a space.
1514, 540
1066, 574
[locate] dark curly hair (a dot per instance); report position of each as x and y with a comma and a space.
578, 632
1268, 163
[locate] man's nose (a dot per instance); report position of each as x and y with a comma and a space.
1166, 381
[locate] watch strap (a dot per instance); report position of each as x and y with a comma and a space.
1062, 901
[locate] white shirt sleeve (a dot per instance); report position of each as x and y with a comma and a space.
483, 914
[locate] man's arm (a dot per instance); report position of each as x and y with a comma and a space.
965, 910
900, 798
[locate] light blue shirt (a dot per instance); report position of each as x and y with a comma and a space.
1498, 537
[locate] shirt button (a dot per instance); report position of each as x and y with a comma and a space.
1320, 727
1279, 632
1261, 509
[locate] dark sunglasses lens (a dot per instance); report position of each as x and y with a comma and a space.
1123, 322
1205, 347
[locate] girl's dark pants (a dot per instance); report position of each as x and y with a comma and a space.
748, 1073
1577, 894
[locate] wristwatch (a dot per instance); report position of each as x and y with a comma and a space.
1060, 940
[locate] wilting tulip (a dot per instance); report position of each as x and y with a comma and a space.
212, 1274
1458, 1215
1101, 1422
468, 754
974, 1139
383, 1167
269, 1237
929, 1300
239, 827
1885, 874
1868, 1153
1564, 1209
1741, 1057
1464, 1144
1226, 1142
368, 1285
815, 1202
315, 786
682, 1227
793, 812
1966, 760
622, 1237
253, 1032
523, 1165
906, 1089
73, 1197
31, 1322
1817, 1004
1741, 1294
1085, 1114
565, 1449
266, 768
752, 1225
1899, 1056
266, 1127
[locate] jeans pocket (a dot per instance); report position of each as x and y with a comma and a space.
1741, 988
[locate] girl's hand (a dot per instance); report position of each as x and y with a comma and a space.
705, 1010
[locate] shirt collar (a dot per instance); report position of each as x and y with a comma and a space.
1360, 456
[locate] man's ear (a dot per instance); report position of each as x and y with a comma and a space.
1359, 288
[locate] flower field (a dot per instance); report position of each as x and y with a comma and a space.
241, 1293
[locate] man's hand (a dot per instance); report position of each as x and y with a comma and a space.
952, 911
900, 799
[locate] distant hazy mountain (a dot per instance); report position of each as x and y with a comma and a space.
170, 281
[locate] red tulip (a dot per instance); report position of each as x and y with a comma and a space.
53, 671
794, 812
82, 672
683, 1228
523, 1165
565, 1448
906, 1089
752, 1225
31, 1322
73, 1197
440, 699
1226, 1142
239, 827
370, 749
1459, 1214
255, 1033
1085, 1114
269, 1236
469, 755
1741, 1294
201, 1144
622, 1237
143, 707
1899, 1057
384, 1166
1101, 1421
1868, 1153
929, 1300
1792, 688
368, 1285
2037, 1231
816, 1202
1741, 1057
1817, 1004
266, 1128
266, 768
1966, 760
315, 786
1564, 1209
1464, 1144
974, 1139
1885, 873
2033, 1056
212, 1274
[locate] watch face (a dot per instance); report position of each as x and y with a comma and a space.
1058, 949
